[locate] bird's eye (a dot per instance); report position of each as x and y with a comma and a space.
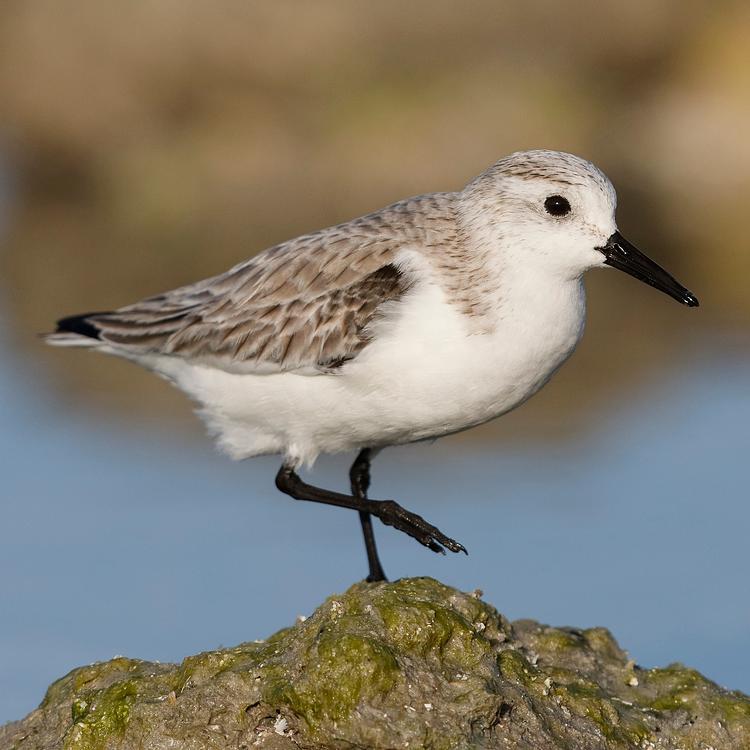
557, 205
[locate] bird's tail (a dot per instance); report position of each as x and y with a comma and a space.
75, 330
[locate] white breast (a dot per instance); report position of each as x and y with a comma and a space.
427, 373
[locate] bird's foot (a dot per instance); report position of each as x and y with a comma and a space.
376, 575
392, 514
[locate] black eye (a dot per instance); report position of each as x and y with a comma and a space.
557, 205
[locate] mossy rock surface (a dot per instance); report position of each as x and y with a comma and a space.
409, 664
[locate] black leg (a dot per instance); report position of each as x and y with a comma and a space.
388, 511
359, 476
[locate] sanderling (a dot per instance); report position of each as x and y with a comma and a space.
430, 316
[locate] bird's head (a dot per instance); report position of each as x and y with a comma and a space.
555, 212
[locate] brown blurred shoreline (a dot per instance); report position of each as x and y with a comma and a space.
154, 143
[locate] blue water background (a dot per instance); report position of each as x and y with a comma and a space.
135, 540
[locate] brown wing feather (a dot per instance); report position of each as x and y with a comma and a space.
305, 303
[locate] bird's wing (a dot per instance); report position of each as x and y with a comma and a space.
303, 304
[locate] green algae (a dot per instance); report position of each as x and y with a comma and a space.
577, 695
514, 666
356, 642
101, 697
205, 666
680, 688
556, 641
420, 620
603, 644
77, 679
344, 671
423, 629
586, 699
100, 716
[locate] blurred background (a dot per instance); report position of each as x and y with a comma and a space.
147, 144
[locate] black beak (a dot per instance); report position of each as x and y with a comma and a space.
619, 253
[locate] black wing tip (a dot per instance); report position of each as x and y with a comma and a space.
80, 324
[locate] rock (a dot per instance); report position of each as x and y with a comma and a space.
409, 664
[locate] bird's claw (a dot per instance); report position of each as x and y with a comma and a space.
392, 514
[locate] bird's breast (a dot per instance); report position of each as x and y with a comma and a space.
433, 372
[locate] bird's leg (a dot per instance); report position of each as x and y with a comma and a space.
388, 511
359, 475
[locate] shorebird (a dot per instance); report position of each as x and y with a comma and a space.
425, 318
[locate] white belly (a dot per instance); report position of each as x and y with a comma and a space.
424, 375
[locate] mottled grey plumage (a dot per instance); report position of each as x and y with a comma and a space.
554, 166
304, 303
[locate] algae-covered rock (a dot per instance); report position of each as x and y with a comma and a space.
410, 664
